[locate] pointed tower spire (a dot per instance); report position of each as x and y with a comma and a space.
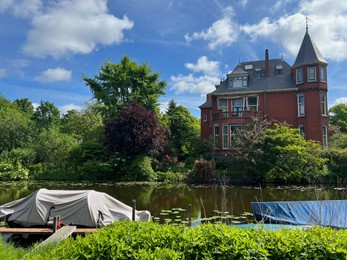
308, 53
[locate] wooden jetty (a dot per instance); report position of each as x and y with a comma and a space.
43, 231
56, 233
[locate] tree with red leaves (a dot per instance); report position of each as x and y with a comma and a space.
136, 131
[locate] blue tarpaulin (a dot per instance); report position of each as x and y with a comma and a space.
331, 213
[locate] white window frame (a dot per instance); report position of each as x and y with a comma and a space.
311, 74
257, 73
223, 108
299, 76
204, 118
323, 102
279, 70
255, 107
234, 131
302, 131
241, 82
225, 134
236, 110
323, 74
216, 136
324, 136
301, 104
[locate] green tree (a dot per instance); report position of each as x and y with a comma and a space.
338, 116
53, 147
25, 105
171, 106
84, 125
16, 128
184, 132
289, 158
248, 145
118, 84
46, 115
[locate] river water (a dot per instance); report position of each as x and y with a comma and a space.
159, 198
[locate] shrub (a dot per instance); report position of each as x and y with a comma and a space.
91, 170
25, 156
13, 171
169, 176
337, 166
202, 171
136, 240
139, 169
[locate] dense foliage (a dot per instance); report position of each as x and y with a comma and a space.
136, 131
288, 157
131, 240
338, 116
184, 130
116, 85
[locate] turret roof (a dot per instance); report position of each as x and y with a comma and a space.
308, 53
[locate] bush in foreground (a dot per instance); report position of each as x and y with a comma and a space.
132, 240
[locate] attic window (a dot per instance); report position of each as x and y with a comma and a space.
279, 70
257, 72
248, 67
239, 82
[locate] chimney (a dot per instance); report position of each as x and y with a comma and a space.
267, 64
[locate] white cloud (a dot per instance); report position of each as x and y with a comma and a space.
195, 85
19, 63
327, 26
2, 73
73, 26
52, 75
243, 3
341, 100
222, 33
205, 66
64, 109
163, 106
5, 4
27, 8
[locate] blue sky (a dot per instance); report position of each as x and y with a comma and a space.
46, 45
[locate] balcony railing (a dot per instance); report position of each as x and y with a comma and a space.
236, 114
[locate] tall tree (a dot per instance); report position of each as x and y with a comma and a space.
137, 131
338, 116
171, 106
288, 157
184, 132
84, 125
46, 115
25, 105
16, 128
118, 84
247, 144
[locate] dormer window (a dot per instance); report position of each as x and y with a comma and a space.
311, 74
239, 82
279, 70
299, 78
257, 72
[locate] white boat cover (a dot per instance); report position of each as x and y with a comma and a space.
86, 208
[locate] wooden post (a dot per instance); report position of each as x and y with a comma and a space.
190, 215
134, 209
56, 220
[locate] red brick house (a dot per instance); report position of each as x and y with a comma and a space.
271, 87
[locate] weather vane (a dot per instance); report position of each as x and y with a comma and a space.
306, 17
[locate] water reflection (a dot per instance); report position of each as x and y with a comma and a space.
205, 200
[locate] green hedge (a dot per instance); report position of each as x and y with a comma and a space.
131, 240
